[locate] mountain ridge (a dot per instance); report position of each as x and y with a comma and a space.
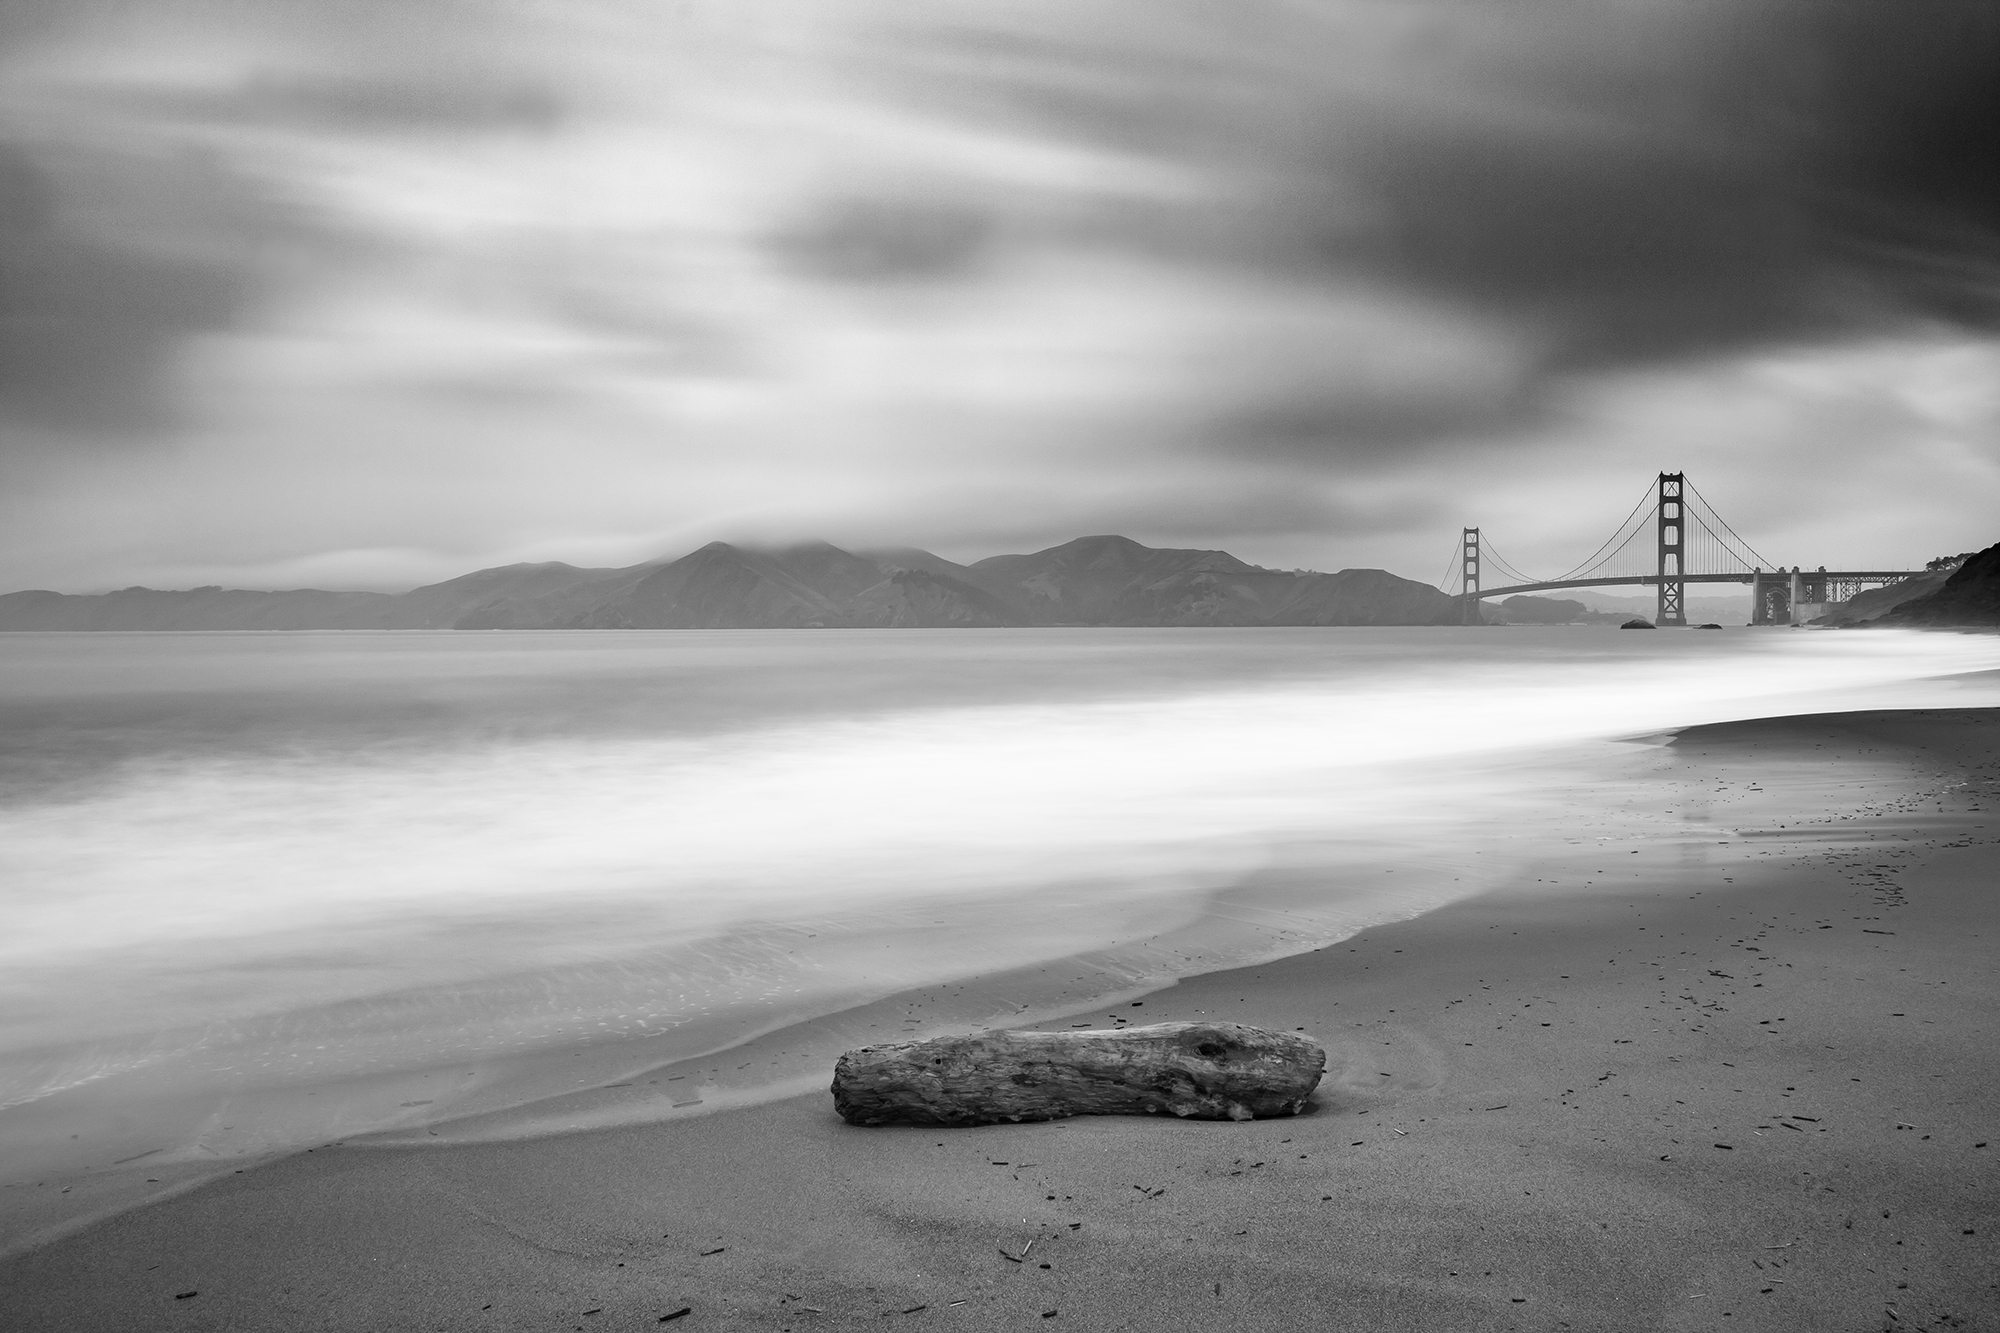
1097, 580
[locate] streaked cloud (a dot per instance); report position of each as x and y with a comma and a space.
358, 286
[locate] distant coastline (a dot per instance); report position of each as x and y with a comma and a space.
1091, 581
1104, 580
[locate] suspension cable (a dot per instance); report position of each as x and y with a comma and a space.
1606, 566
1720, 547
1628, 530
1454, 569
1761, 561
1615, 542
1500, 562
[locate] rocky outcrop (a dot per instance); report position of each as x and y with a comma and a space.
1209, 1071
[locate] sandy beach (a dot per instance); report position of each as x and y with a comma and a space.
1742, 1080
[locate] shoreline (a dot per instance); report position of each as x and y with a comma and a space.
1426, 1129
1585, 792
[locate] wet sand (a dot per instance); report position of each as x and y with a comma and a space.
1740, 1080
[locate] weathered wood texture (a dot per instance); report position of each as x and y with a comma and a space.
1209, 1071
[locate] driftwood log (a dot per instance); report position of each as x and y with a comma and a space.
1208, 1071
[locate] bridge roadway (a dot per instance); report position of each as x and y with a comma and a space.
1772, 576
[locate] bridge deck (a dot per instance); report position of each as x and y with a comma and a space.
1654, 580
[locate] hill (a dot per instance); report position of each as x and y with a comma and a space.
1873, 603
1969, 597
1525, 610
1111, 580
435, 606
1103, 580
720, 586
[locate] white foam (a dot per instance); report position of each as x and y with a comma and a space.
270, 918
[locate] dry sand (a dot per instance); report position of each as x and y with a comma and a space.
1662, 1088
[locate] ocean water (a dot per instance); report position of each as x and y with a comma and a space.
256, 888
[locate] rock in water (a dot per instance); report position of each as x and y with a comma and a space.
1208, 1071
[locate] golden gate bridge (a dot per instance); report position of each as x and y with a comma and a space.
1672, 537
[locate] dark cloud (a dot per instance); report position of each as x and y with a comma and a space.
1614, 251
141, 208
887, 240
1011, 271
1300, 426
1276, 506
1913, 156
87, 324
1249, 512
1832, 168
1618, 185
438, 101
1917, 98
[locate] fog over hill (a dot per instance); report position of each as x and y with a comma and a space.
1103, 580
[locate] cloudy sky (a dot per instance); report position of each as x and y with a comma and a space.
373, 292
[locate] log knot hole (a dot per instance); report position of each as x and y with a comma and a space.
1210, 1071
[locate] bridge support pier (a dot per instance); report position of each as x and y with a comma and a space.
1775, 598
1468, 568
1673, 549
1808, 595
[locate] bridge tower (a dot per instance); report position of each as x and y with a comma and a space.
1673, 581
1468, 609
